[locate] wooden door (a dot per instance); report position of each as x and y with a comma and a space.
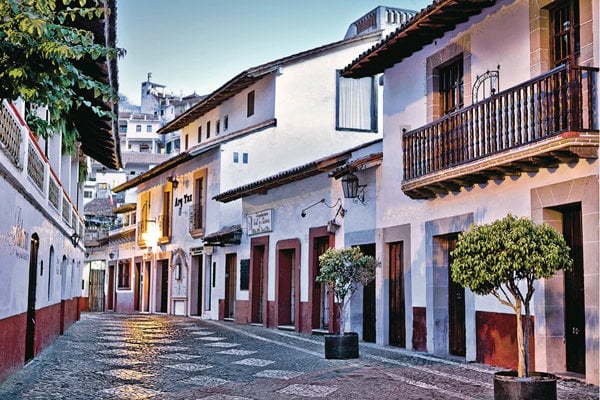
146, 286
397, 329
256, 285
164, 287
456, 309
574, 294
111, 288
96, 297
369, 317
32, 288
137, 286
320, 303
197, 264
230, 268
285, 295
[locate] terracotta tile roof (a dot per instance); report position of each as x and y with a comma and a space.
429, 24
312, 168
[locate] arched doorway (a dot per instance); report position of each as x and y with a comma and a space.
179, 283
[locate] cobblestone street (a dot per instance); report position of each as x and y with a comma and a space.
114, 356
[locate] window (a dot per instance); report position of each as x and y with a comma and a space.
123, 128
250, 104
186, 141
245, 158
123, 275
199, 135
218, 127
451, 86
144, 148
196, 211
138, 128
87, 194
102, 186
236, 157
564, 25
165, 219
356, 104
225, 123
148, 128
208, 129
143, 226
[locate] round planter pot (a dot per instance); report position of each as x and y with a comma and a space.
341, 347
539, 385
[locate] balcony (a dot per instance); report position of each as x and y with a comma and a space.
164, 228
196, 225
549, 120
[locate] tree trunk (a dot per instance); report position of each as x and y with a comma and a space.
521, 371
526, 338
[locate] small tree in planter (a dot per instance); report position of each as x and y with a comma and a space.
344, 271
504, 259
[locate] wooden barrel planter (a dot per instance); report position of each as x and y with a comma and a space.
341, 347
539, 385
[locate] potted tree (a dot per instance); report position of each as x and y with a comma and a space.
504, 259
344, 271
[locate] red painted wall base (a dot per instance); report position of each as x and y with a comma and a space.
47, 330
497, 342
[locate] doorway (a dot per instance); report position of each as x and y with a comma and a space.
456, 307
111, 288
256, 290
321, 301
146, 279
137, 286
574, 290
32, 289
369, 300
196, 286
162, 291
286, 287
230, 268
97, 275
397, 325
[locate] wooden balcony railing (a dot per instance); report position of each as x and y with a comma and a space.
561, 100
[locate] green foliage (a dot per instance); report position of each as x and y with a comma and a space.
41, 55
505, 252
504, 259
344, 270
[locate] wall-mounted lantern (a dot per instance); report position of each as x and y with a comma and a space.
352, 189
173, 181
75, 239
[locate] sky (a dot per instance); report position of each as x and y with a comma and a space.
198, 45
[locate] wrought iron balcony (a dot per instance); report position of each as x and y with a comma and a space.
196, 226
164, 228
548, 120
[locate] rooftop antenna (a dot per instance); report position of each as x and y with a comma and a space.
149, 76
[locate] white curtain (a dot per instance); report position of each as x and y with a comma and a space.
355, 103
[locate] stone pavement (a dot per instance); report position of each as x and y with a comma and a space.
140, 356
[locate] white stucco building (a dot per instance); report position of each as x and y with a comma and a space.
490, 108
263, 121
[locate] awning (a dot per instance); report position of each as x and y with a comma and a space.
227, 236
